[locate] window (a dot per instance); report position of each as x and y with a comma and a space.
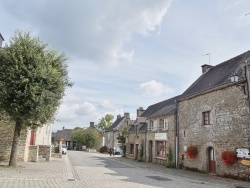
132, 148
152, 125
206, 118
165, 124
161, 149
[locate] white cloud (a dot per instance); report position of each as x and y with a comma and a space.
154, 89
93, 30
106, 104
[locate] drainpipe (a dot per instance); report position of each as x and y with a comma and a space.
176, 137
248, 80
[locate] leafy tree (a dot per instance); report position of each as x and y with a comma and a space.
32, 81
87, 137
106, 121
122, 139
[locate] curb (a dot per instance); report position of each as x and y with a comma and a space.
69, 169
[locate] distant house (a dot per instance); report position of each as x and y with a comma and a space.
65, 136
100, 135
213, 116
117, 127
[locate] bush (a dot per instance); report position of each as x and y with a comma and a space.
170, 163
104, 149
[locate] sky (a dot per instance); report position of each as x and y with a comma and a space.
129, 54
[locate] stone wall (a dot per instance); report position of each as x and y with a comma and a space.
229, 128
170, 141
6, 138
43, 135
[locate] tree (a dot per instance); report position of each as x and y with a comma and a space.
122, 139
87, 137
105, 122
32, 81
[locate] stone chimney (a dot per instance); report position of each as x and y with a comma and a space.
119, 116
140, 111
127, 115
63, 128
92, 124
206, 68
1, 40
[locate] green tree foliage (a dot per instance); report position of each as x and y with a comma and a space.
122, 139
87, 137
106, 122
32, 81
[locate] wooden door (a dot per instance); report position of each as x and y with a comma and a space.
211, 161
32, 137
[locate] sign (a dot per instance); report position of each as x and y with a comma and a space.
245, 162
243, 153
160, 136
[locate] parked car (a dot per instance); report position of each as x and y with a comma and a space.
64, 149
118, 150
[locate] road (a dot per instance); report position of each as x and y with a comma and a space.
100, 170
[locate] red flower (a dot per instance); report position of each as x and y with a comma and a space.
228, 157
192, 152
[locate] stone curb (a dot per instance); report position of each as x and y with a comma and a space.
69, 169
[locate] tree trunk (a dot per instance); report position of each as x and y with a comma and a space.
15, 143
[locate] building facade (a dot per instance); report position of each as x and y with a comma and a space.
213, 116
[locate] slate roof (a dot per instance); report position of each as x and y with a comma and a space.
161, 108
143, 128
65, 134
1, 37
115, 124
218, 75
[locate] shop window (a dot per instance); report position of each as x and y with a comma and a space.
161, 149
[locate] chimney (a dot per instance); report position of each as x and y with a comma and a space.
206, 68
118, 116
126, 114
1, 40
140, 111
92, 124
63, 128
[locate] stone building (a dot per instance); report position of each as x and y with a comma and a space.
136, 137
37, 140
161, 127
65, 136
213, 116
117, 127
99, 134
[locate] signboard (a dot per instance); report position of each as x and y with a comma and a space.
243, 153
245, 162
160, 136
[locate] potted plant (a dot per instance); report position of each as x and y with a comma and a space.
192, 152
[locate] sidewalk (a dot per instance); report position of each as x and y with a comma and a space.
55, 173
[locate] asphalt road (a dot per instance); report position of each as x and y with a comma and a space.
100, 170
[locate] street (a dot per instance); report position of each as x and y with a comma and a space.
80, 169
100, 170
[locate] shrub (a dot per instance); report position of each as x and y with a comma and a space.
228, 157
170, 163
192, 152
104, 149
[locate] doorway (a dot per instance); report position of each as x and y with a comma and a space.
136, 151
150, 151
211, 161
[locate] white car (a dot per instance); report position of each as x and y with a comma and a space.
118, 150
64, 149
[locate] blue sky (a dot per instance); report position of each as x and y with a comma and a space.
129, 54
